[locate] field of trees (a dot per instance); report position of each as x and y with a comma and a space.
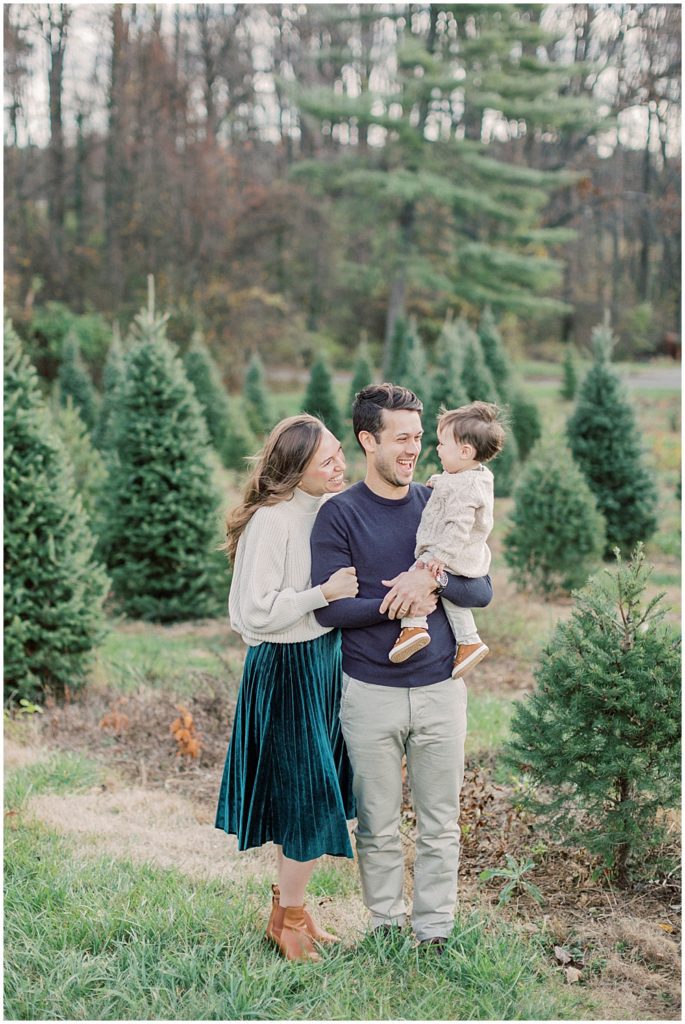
219, 215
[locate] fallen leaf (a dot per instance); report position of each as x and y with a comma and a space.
572, 975
665, 927
562, 956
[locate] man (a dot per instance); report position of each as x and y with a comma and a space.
387, 710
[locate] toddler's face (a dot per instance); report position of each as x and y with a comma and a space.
454, 455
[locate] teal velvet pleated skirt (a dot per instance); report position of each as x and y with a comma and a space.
287, 777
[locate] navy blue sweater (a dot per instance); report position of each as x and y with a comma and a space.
377, 536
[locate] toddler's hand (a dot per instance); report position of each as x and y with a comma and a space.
435, 566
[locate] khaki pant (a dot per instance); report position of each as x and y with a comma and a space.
428, 724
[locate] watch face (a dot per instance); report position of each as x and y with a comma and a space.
442, 579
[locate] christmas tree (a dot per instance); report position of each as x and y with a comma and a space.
442, 390
603, 436
399, 345
88, 467
569, 380
416, 364
496, 358
362, 373
229, 436
255, 397
53, 589
319, 399
556, 535
525, 421
75, 383
112, 377
162, 516
599, 738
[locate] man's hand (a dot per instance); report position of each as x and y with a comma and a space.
411, 593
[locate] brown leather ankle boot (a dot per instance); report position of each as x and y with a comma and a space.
316, 932
289, 933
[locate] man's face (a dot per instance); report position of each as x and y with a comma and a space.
397, 451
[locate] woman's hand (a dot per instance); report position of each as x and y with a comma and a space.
342, 583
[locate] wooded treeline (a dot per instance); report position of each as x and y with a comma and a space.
295, 176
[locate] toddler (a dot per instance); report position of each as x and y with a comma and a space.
456, 523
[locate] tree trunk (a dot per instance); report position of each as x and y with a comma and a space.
645, 225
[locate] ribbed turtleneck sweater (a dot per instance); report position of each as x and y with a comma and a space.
271, 598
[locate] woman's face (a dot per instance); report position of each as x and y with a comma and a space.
324, 472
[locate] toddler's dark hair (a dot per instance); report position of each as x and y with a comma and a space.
479, 424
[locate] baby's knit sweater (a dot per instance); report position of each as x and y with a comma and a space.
271, 596
457, 521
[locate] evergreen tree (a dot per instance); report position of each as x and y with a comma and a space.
444, 391
88, 467
416, 367
162, 515
255, 397
569, 380
556, 534
494, 353
319, 399
599, 738
399, 344
431, 169
505, 466
362, 373
476, 377
602, 434
112, 377
525, 422
75, 383
53, 590
227, 430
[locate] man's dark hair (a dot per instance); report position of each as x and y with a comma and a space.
369, 403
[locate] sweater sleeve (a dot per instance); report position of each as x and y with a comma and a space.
330, 552
265, 603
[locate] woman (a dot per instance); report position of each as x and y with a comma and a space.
287, 779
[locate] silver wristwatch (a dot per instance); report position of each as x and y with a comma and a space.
442, 579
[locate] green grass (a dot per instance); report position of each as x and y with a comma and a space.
159, 657
60, 773
489, 716
106, 939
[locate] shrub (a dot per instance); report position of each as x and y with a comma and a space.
556, 534
602, 434
319, 399
525, 422
53, 589
162, 511
600, 734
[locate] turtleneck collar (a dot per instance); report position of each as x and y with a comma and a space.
307, 502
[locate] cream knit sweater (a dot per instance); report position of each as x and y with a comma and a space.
457, 521
271, 596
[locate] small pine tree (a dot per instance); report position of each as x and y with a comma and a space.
505, 466
162, 513
445, 391
112, 377
397, 360
525, 422
556, 535
75, 383
602, 434
319, 399
226, 431
476, 378
496, 358
89, 471
255, 396
600, 735
362, 374
416, 369
569, 378
53, 590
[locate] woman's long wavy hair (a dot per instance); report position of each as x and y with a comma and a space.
277, 470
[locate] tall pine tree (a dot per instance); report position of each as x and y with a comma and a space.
53, 589
162, 516
112, 377
603, 436
319, 399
